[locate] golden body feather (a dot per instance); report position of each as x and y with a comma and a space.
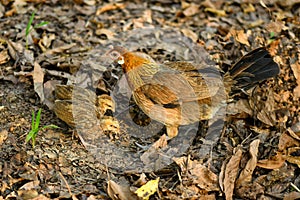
180, 93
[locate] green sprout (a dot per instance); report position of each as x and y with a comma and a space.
271, 38
29, 28
35, 127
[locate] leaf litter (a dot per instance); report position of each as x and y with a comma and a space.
257, 155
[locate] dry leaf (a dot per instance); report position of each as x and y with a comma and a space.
4, 57
291, 158
10, 12
3, 136
292, 195
293, 134
12, 50
27, 194
242, 105
138, 23
49, 88
203, 177
90, 2
110, 124
207, 197
119, 192
2, 10
38, 79
190, 34
109, 34
161, 142
273, 163
240, 36
199, 174
141, 181
41, 197
276, 26
231, 172
286, 141
265, 108
147, 16
20, 6
153, 151
104, 102
183, 162
296, 129
30, 185
60, 49
246, 174
220, 13
247, 8
108, 7
296, 70
46, 41
191, 10
148, 189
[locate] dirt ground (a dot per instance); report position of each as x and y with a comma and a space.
256, 154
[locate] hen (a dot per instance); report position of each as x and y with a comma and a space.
181, 93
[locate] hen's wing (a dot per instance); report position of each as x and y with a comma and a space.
205, 80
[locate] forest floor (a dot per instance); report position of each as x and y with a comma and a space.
254, 153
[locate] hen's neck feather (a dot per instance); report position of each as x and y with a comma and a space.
139, 70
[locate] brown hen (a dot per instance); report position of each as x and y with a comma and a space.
181, 93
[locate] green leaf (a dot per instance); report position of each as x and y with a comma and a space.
37, 119
30, 135
41, 24
33, 139
50, 126
29, 24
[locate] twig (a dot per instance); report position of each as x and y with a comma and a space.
67, 185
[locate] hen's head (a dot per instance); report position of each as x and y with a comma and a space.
128, 60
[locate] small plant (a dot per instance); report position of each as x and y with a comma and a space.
35, 127
29, 29
271, 38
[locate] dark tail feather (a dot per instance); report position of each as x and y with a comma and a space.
256, 66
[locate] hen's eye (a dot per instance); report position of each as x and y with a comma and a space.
114, 54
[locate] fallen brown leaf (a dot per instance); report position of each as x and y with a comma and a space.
147, 16
154, 150
191, 10
247, 8
274, 162
3, 136
242, 37
190, 34
38, 81
110, 124
291, 158
184, 163
119, 192
46, 41
296, 70
30, 185
246, 174
111, 6
220, 13
161, 142
4, 57
27, 194
292, 195
230, 174
286, 141
41, 197
203, 177
108, 33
